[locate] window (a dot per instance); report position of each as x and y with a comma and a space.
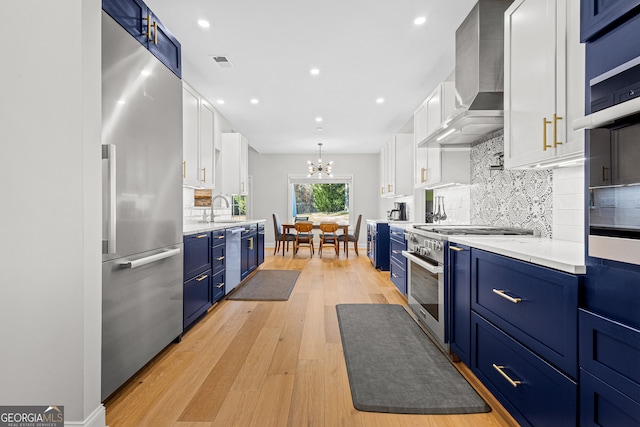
320, 199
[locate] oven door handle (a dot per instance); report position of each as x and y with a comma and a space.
433, 269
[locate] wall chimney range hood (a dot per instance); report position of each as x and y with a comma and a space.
479, 77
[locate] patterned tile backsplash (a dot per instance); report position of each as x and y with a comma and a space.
505, 197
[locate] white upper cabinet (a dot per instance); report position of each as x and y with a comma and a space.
198, 140
234, 164
394, 157
428, 117
537, 115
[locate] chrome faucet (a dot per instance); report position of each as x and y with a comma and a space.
218, 196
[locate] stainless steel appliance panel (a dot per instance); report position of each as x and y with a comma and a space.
142, 118
141, 312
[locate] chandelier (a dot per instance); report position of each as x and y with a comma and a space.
320, 168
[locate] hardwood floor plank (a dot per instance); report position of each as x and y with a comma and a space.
219, 381
237, 409
313, 339
307, 401
274, 402
254, 369
285, 358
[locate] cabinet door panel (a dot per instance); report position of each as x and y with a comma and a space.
530, 80
544, 318
196, 297
217, 286
197, 257
165, 46
206, 168
190, 132
131, 15
603, 405
597, 16
544, 396
460, 285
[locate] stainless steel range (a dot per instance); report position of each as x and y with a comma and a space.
427, 270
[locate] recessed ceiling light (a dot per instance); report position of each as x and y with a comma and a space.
314, 71
420, 20
318, 119
204, 23
220, 101
254, 100
319, 129
380, 101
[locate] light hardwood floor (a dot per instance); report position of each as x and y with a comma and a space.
274, 363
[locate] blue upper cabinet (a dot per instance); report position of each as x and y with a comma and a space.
598, 16
139, 21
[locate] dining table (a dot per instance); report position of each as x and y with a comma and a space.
341, 226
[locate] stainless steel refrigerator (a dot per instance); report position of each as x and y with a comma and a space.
142, 206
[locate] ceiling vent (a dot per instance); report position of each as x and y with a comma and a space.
222, 61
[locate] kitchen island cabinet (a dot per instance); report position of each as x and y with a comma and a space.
249, 250
378, 243
542, 101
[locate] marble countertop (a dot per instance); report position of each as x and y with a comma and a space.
203, 227
557, 254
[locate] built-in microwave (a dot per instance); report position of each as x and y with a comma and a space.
614, 163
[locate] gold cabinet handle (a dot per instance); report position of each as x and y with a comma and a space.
148, 19
201, 278
499, 368
382, 190
545, 122
389, 188
505, 296
155, 32
455, 248
220, 237
220, 258
422, 174
201, 236
184, 169
250, 243
604, 174
204, 171
555, 131
220, 285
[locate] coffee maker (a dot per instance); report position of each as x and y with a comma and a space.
399, 212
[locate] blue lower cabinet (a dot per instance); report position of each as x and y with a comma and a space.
218, 258
260, 243
603, 405
196, 299
197, 257
533, 391
217, 287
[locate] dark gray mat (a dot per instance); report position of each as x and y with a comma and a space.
394, 367
267, 285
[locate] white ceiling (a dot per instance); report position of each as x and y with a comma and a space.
364, 49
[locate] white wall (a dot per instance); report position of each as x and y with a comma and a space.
50, 303
270, 179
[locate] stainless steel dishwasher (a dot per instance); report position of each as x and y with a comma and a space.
233, 258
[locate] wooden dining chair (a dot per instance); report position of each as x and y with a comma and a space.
304, 236
328, 236
351, 238
277, 228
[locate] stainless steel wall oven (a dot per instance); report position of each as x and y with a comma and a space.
614, 163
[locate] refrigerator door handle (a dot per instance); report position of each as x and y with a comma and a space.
149, 259
109, 244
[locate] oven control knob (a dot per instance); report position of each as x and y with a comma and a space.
438, 246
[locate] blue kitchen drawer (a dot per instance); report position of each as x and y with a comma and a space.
398, 276
218, 258
218, 237
611, 351
603, 405
544, 395
197, 254
217, 286
396, 251
545, 318
196, 299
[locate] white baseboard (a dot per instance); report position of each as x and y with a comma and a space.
98, 418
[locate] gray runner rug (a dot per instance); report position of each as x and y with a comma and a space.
394, 367
267, 285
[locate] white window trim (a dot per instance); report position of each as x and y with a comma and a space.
336, 179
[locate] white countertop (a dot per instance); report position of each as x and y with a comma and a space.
558, 254
203, 227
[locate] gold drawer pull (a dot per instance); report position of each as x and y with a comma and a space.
422, 174
219, 286
220, 258
201, 278
455, 248
555, 131
155, 32
200, 236
505, 296
148, 19
545, 122
514, 383
220, 237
